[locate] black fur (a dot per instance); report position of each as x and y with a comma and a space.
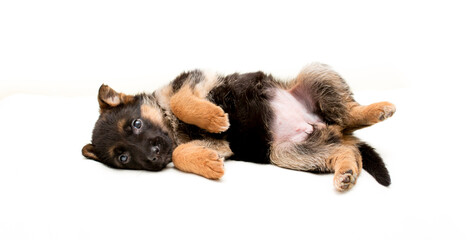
192, 77
245, 97
373, 164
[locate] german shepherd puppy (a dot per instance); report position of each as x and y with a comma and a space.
200, 119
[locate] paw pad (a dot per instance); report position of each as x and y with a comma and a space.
387, 111
344, 181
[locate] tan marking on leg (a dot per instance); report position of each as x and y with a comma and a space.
193, 110
346, 163
192, 157
364, 116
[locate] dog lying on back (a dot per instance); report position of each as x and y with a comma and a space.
200, 119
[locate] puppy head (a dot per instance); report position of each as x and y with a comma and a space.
130, 133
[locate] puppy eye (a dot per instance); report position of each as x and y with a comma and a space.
123, 158
137, 123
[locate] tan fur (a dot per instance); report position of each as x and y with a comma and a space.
364, 116
221, 146
337, 157
88, 152
324, 73
350, 140
108, 98
333, 94
194, 110
152, 114
111, 151
345, 161
289, 156
317, 71
295, 156
201, 157
121, 125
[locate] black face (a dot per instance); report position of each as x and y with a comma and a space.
131, 137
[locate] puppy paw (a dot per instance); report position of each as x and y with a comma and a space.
218, 121
199, 160
386, 110
213, 165
344, 180
376, 112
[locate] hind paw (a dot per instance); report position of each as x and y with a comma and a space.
386, 110
376, 112
344, 180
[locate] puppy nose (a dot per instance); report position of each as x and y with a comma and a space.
155, 149
154, 153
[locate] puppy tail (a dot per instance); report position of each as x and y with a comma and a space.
373, 164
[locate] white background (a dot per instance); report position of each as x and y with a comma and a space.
55, 54
70, 47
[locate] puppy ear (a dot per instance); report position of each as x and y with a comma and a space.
109, 98
89, 152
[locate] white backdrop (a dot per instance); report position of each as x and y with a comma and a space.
71, 47
55, 54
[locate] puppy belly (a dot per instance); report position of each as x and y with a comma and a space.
292, 121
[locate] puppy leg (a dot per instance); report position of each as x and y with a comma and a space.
364, 116
324, 92
204, 158
192, 109
346, 162
326, 150
309, 155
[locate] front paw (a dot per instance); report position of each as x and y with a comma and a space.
218, 121
213, 165
199, 160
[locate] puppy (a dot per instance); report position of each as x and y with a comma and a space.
200, 119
